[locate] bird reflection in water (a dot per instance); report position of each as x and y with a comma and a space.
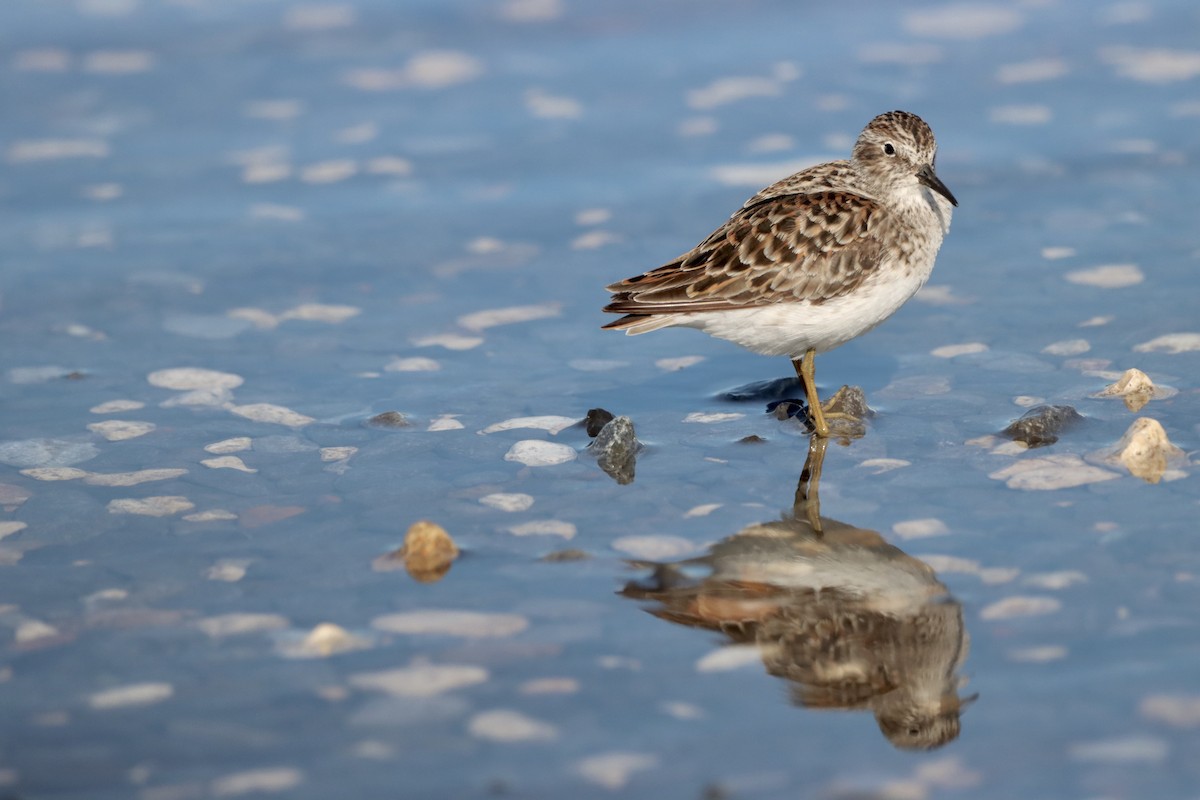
850, 621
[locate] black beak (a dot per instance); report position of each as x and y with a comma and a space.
927, 177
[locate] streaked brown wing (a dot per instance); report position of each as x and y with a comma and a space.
810, 247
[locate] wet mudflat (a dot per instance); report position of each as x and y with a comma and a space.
279, 281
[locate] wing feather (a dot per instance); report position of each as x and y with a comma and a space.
785, 248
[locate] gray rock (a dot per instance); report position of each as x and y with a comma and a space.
1041, 425
615, 449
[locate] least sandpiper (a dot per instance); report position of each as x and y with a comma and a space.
811, 261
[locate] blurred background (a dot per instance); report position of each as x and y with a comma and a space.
233, 233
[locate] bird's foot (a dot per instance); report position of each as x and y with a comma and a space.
843, 414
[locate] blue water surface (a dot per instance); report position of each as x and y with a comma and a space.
315, 200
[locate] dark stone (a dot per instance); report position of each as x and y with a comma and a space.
389, 419
753, 438
1041, 425
596, 419
572, 554
615, 448
757, 392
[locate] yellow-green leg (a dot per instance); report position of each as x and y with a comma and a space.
805, 367
807, 501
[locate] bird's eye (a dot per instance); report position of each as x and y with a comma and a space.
887, 148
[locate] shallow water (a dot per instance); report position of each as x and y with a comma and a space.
320, 205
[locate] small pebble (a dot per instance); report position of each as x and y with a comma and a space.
508, 502
482, 320
955, 350
507, 725
115, 430
131, 478
654, 548
1067, 347
227, 462
1136, 389
570, 554
427, 553
549, 686
213, 515
676, 364
710, 418
136, 694
188, 378
162, 506
614, 770
1172, 343
325, 640
1146, 451
420, 680
538, 453
117, 406
1132, 749
1050, 473
9, 527
444, 622
413, 364
320, 312
234, 445
257, 781
12, 496
730, 657
236, 624
920, 528
55, 473
1014, 607
1175, 710
1110, 276
269, 412
337, 453
544, 527
551, 424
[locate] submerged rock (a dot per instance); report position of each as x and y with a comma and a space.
388, 419
427, 553
776, 389
570, 554
615, 448
846, 413
1145, 451
46, 452
848, 400
1041, 425
1136, 389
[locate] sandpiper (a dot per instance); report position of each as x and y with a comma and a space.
811, 261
